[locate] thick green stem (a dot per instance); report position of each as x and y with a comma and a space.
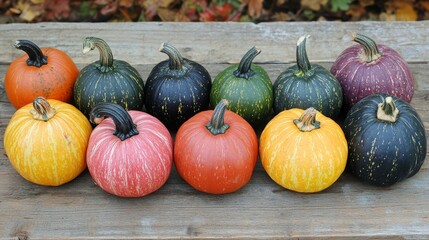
244, 70
387, 110
125, 127
307, 121
35, 55
42, 109
175, 58
371, 52
217, 125
301, 55
106, 56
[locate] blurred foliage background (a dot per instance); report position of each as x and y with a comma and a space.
211, 10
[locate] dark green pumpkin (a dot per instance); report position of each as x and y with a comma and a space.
176, 89
107, 80
386, 139
247, 87
307, 85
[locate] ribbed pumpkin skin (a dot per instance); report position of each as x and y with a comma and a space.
216, 164
383, 153
54, 80
122, 85
389, 74
136, 166
319, 90
250, 98
48, 153
174, 96
303, 161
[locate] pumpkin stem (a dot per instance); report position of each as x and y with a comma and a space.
302, 61
244, 70
387, 110
175, 58
217, 125
35, 55
106, 56
307, 121
371, 52
42, 109
125, 127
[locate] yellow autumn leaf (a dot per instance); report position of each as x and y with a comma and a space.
254, 7
406, 13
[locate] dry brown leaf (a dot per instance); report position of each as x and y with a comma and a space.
314, 5
387, 17
166, 14
356, 12
126, 3
424, 5
27, 11
254, 7
366, 3
406, 13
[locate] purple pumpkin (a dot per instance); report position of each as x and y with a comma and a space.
368, 68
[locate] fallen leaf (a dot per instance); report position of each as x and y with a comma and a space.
356, 12
424, 5
166, 14
314, 5
406, 13
126, 3
387, 17
254, 7
366, 3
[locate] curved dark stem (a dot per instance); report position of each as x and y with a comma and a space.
301, 55
106, 55
370, 47
244, 70
35, 55
125, 127
217, 125
175, 58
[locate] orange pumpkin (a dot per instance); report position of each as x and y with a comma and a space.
303, 152
46, 142
46, 72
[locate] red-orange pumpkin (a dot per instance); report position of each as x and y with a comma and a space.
216, 151
46, 72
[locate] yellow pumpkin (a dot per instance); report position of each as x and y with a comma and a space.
303, 152
46, 142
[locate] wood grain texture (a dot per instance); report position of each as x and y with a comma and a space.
262, 209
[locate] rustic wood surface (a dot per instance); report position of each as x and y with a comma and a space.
262, 209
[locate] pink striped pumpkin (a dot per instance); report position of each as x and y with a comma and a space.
129, 154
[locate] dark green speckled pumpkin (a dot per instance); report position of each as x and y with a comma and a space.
386, 139
107, 80
247, 87
307, 85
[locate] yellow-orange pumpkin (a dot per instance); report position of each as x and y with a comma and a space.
303, 152
46, 142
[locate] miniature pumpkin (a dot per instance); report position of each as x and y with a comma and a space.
130, 154
107, 80
307, 85
367, 68
46, 141
247, 87
387, 140
46, 72
176, 89
303, 151
216, 151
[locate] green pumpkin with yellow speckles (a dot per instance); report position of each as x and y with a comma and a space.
386, 139
107, 80
307, 85
247, 87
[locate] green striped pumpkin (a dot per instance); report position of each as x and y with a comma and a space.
307, 85
107, 80
247, 87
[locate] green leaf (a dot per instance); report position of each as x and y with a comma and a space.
342, 5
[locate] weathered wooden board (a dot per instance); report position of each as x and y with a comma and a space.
138, 43
262, 209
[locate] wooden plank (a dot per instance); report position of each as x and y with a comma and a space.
138, 43
262, 209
